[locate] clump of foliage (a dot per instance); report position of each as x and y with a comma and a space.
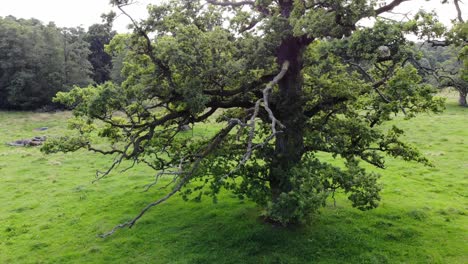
285, 81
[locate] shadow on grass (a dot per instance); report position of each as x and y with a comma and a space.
235, 234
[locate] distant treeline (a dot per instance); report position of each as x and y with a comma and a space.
38, 60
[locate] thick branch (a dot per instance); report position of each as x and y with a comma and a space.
327, 104
230, 104
439, 43
231, 3
244, 89
154, 123
459, 13
252, 122
204, 152
389, 7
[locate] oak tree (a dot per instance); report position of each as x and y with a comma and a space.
449, 68
285, 81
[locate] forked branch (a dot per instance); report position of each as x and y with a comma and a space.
252, 122
266, 94
184, 175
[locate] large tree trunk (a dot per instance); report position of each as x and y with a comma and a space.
288, 109
462, 98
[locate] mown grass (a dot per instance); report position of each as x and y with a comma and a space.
51, 212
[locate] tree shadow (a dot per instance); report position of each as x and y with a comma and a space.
230, 233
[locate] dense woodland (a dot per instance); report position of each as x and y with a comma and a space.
37, 60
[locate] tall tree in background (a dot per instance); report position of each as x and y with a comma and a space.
77, 68
288, 79
450, 72
458, 37
37, 61
450, 61
118, 49
30, 62
98, 36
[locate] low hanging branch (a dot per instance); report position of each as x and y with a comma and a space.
214, 143
186, 176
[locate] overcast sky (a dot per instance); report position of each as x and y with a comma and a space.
72, 13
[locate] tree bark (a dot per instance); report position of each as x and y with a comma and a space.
462, 98
288, 109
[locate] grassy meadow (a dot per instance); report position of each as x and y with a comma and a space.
51, 212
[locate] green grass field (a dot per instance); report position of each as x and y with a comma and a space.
51, 212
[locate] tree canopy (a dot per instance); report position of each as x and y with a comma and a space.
286, 82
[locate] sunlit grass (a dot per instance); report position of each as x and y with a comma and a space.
51, 212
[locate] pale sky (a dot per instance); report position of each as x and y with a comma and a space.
72, 13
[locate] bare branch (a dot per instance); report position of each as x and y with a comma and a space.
149, 206
231, 3
252, 122
164, 172
389, 7
266, 93
214, 143
459, 13
203, 152
274, 121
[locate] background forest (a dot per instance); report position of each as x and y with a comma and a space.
38, 60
